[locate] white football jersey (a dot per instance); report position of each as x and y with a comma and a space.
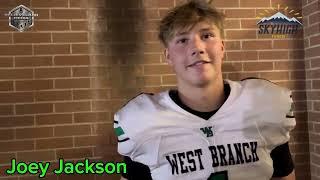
235, 143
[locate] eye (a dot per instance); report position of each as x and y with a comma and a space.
207, 35
182, 41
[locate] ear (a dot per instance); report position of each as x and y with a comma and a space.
222, 48
167, 56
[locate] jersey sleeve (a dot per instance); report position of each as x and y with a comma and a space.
125, 142
288, 122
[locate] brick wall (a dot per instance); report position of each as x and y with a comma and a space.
311, 13
62, 80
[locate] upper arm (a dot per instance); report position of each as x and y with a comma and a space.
282, 161
291, 176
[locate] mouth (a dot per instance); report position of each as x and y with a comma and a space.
198, 63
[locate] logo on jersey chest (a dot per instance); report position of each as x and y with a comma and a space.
207, 131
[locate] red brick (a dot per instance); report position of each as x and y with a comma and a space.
295, 75
258, 3
315, 62
53, 119
72, 106
70, 37
86, 141
41, 132
80, 48
42, 14
91, 94
249, 24
87, 3
169, 79
6, 110
158, 4
232, 45
273, 55
5, 158
34, 108
231, 67
17, 145
311, 30
240, 13
157, 69
74, 153
16, 73
232, 24
33, 61
289, 65
242, 55
316, 84
71, 60
52, 72
7, 50
53, 95
29, 85
296, 54
79, 25
7, 134
50, 4
5, 38
68, 14
33, 156
223, 4
6, 85
72, 130
16, 97
293, 85
241, 34
102, 129
16, 121
52, 49
310, 8
254, 45
6, 62
72, 83
315, 40
125, 93
105, 105
81, 72
12, 4
288, 44
258, 66
314, 18
312, 52
92, 117
50, 25
32, 37
275, 75
316, 107
53, 143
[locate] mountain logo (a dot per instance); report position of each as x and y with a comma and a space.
279, 25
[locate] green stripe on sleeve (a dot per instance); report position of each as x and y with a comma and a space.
119, 131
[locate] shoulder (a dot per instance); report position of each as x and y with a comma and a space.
143, 102
265, 88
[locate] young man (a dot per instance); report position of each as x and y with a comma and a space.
209, 128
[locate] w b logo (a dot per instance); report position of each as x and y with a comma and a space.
207, 130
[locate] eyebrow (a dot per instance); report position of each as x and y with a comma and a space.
201, 30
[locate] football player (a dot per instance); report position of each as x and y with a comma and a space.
209, 127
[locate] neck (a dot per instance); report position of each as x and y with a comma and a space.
203, 99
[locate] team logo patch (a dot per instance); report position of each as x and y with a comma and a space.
207, 130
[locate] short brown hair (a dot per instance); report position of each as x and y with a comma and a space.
186, 16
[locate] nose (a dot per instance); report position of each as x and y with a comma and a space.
198, 47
